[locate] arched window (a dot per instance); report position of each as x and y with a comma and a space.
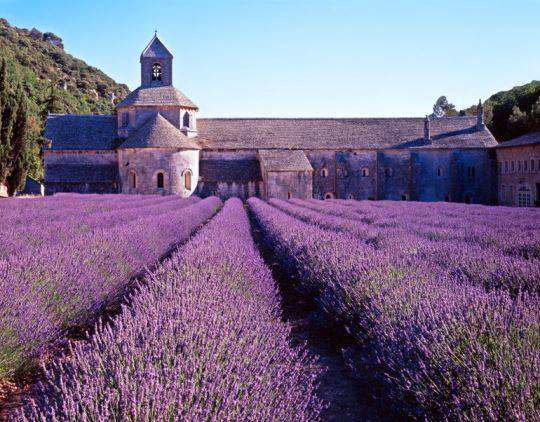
186, 120
329, 195
365, 172
524, 196
187, 179
133, 179
160, 181
351, 196
289, 195
439, 171
324, 172
156, 72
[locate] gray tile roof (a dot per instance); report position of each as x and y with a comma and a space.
157, 96
81, 173
239, 171
158, 132
313, 134
156, 48
99, 132
529, 139
284, 160
81, 132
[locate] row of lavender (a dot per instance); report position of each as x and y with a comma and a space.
458, 350
59, 272
202, 340
452, 252
515, 231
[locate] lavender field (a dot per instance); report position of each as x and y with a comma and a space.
444, 298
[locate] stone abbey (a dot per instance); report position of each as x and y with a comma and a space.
154, 143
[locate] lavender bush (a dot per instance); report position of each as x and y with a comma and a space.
203, 340
471, 261
68, 277
461, 352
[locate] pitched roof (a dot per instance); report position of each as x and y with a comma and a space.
157, 96
156, 49
284, 160
529, 139
158, 132
81, 132
81, 173
239, 171
369, 133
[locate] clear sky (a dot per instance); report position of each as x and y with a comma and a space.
310, 58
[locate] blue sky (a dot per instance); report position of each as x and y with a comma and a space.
312, 58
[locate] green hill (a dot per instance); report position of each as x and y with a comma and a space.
515, 112
47, 72
512, 113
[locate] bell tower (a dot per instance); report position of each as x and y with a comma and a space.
156, 64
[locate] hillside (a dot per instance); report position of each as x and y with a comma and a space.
39, 62
512, 113
515, 112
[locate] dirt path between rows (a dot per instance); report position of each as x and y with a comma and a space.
349, 397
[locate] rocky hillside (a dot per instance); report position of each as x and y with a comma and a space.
39, 60
54, 81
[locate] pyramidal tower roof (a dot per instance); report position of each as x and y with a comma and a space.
156, 49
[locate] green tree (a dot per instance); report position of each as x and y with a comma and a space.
535, 115
443, 107
19, 146
6, 123
518, 123
52, 103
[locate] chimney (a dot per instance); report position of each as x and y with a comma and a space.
427, 131
480, 125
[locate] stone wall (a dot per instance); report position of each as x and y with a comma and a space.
356, 174
227, 174
147, 163
146, 71
432, 175
429, 174
393, 175
519, 175
289, 184
474, 176
131, 118
81, 172
324, 172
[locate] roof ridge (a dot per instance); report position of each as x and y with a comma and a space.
80, 115
337, 118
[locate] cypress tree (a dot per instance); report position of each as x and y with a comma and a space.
19, 143
6, 121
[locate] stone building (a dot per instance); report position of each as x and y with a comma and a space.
519, 171
155, 144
